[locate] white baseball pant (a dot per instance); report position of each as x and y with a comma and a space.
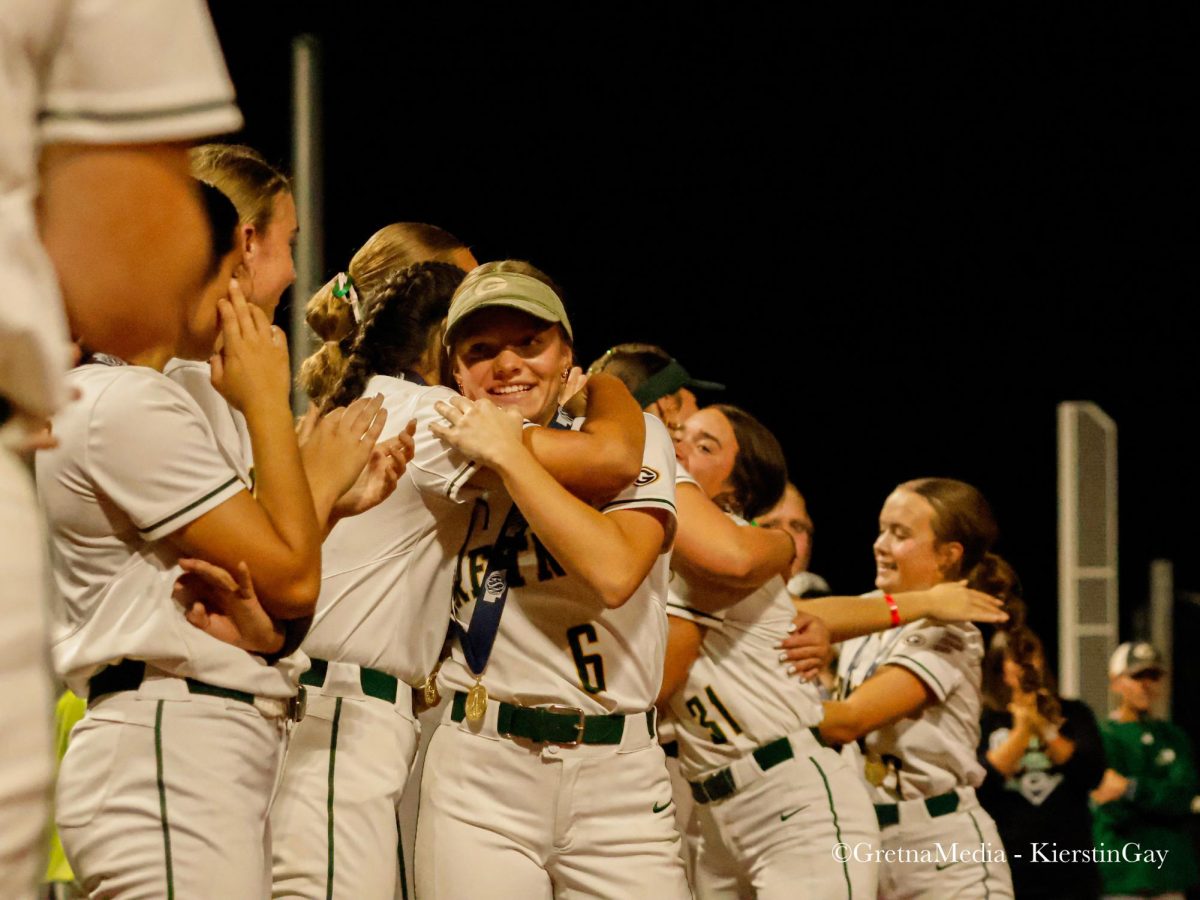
335, 821
940, 872
165, 793
777, 836
509, 819
26, 704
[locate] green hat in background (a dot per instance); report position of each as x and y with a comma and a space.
511, 289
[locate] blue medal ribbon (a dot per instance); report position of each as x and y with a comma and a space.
478, 638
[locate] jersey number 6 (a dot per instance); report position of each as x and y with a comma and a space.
590, 665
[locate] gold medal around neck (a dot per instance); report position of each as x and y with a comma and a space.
429, 691
476, 702
875, 770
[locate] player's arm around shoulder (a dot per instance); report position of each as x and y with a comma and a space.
725, 561
604, 456
611, 551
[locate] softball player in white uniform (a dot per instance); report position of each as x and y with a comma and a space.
383, 613
772, 802
61, 83
913, 695
165, 787
550, 784
377, 631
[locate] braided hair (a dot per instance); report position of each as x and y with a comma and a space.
403, 319
331, 317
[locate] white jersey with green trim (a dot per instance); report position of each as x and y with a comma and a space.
228, 425
557, 642
386, 574
934, 752
737, 696
136, 462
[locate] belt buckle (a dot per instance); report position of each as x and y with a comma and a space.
579, 724
297, 706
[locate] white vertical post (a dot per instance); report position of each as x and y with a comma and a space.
1087, 550
307, 179
1162, 614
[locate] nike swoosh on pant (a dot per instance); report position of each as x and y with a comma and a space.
783, 817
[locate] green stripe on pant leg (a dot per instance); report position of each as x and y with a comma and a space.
162, 800
337, 715
837, 828
400, 852
986, 890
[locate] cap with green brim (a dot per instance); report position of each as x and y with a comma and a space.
667, 381
510, 289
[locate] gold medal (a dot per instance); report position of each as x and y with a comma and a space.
875, 769
476, 702
429, 691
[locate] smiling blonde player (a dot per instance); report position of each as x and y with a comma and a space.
543, 781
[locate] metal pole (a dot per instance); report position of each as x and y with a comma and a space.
308, 183
1162, 610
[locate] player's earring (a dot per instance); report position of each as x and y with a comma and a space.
566, 374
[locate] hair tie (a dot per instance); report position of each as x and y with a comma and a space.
343, 289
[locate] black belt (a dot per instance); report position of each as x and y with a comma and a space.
721, 784
553, 725
379, 685
128, 674
941, 805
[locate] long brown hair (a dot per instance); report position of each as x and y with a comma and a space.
759, 475
962, 515
1022, 646
388, 251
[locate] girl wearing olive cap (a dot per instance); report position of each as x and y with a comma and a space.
546, 779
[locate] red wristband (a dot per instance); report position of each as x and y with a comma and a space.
891, 602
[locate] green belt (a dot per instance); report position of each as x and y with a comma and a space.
721, 784
941, 805
379, 685
553, 725
127, 675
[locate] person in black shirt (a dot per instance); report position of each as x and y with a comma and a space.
1043, 754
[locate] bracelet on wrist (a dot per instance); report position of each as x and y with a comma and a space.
893, 609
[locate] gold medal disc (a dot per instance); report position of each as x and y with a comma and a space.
430, 693
476, 702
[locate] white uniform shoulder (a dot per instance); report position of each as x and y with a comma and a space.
436, 469
165, 472
655, 484
174, 88
228, 425
940, 654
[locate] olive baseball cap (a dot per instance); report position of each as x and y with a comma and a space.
1133, 657
511, 289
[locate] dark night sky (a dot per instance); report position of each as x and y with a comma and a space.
899, 238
